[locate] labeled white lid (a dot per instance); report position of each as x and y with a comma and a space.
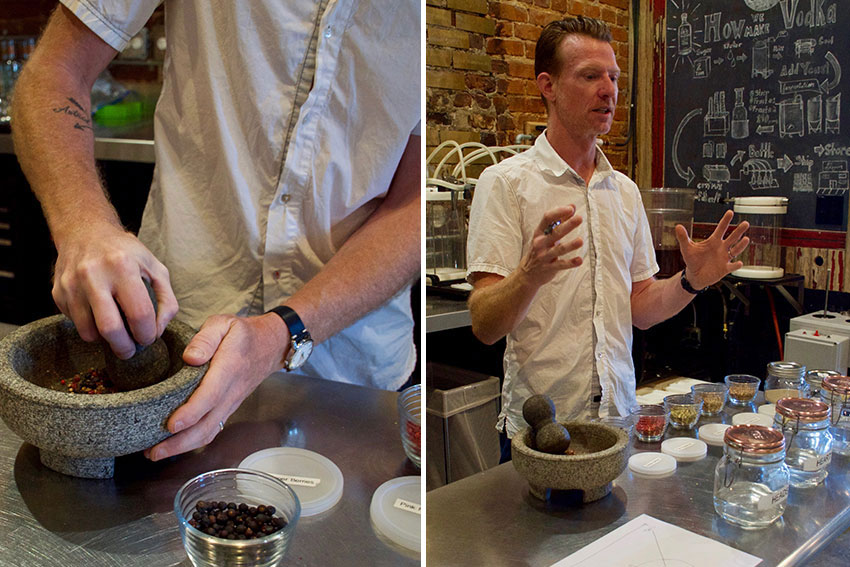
684, 448
749, 418
768, 410
314, 478
712, 433
652, 464
396, 511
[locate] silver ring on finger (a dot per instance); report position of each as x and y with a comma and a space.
221, 426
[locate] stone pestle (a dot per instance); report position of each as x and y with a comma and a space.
148, 366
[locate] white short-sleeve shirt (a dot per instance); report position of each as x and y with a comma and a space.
241, 224
554, 350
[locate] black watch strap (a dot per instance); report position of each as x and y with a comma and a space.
686, 285
291, 318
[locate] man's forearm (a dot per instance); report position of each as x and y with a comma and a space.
379, 258
658, 301
497, 308
54, 141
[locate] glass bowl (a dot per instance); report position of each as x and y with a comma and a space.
713, 397
236, 486
409, 411
683, 410
742, 388
650, 422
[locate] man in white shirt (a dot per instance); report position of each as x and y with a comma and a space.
287, 172
560, 253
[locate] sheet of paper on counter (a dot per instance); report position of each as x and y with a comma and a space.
648, 542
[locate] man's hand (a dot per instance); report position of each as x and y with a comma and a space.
242, 352
544, 261
710, 260
99, 274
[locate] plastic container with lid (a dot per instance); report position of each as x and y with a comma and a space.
665, 208
835, 391
785, 380
814, 379
751, 479
762, 257
445, 234
808, 443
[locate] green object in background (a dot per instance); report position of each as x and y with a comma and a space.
124, 112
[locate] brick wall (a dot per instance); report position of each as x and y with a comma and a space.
479, 57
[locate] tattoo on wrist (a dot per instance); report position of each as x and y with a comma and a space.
76, 111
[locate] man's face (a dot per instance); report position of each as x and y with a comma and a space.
584, 91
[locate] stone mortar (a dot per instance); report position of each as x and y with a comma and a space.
78, 434
601, 454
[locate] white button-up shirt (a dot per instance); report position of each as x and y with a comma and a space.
553, 350
243, 220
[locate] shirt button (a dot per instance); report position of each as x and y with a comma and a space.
284, 198
600, 356
329, 31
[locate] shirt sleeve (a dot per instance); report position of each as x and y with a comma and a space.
495, 240
114, 21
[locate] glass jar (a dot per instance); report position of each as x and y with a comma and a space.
814, 379
835, 391
751, 480
808, 442
742, 388
650, 422
785, 380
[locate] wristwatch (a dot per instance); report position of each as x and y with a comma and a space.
686, 285
301, 344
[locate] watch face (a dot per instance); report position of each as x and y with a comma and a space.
299, 353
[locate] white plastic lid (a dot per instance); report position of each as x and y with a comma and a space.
768, 410
652, 464
759, 272
761, 205
684, 448
712, 433
315, 479
749, 418
396, 511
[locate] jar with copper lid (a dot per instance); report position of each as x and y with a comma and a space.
751, 480
814, 378
835, 391
785, 380
808, 442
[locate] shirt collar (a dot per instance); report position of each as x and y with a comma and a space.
552, 163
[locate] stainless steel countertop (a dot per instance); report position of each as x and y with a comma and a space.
491, 519
48, 519
120, 143
442, 313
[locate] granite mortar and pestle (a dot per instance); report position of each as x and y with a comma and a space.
80, 434
597, 454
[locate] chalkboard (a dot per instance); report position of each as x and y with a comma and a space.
753, 105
